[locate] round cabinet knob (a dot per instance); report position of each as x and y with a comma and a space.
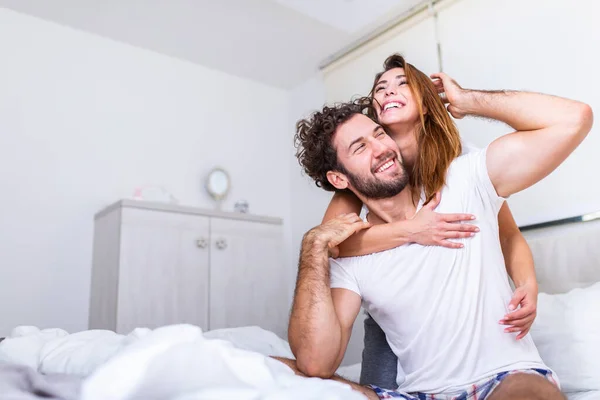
202, 243
221, 244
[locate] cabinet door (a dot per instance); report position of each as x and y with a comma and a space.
163, 277
247, 276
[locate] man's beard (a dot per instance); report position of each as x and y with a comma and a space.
373, 188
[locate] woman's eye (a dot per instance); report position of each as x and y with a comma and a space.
379, 89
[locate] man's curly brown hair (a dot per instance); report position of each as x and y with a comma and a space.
314, 136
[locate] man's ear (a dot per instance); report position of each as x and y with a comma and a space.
337, 179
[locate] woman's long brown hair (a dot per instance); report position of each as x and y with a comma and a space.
438, 140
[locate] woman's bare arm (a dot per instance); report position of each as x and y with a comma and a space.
427, 228
520, 267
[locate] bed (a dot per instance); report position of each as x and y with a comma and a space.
178, 361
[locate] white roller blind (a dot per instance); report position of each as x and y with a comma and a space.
548, 46
353, 74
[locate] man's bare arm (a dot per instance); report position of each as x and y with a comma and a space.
320, 322
548, 129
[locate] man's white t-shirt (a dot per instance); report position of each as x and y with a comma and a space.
440, 307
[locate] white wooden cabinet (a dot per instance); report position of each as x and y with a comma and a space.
158, 264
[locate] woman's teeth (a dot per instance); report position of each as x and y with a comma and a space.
392, 105
385, 166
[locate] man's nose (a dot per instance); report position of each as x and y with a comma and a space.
379, 148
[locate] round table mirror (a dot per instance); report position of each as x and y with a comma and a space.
218, 183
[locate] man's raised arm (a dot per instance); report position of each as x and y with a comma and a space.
548, 129
322, 318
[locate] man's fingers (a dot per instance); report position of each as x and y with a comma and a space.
343, 231
438, 75
345, 219
457, 217
450, 245
358, 226
455, 112
363, 224
350, 216
334, 252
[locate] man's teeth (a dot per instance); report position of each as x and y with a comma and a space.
385, 166
392, 105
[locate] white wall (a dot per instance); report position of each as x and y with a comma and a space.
308, 201
353, 75
83, 120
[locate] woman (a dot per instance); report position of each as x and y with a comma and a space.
421, 150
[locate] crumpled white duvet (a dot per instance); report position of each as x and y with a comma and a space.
177, 362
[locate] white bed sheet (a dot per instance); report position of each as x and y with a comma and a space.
593, 395
176, 362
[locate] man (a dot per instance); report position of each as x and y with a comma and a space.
426, 159
439, 308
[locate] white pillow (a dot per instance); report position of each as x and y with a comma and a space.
253, 338
23, 345
56, 351
567, 335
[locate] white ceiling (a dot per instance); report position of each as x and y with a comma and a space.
350, 16
276, 42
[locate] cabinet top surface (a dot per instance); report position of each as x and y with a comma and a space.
176, 208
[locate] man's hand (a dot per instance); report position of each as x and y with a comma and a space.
451, 93
429, 228
522, 318
333, 232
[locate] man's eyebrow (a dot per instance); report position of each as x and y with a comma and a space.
375, 130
